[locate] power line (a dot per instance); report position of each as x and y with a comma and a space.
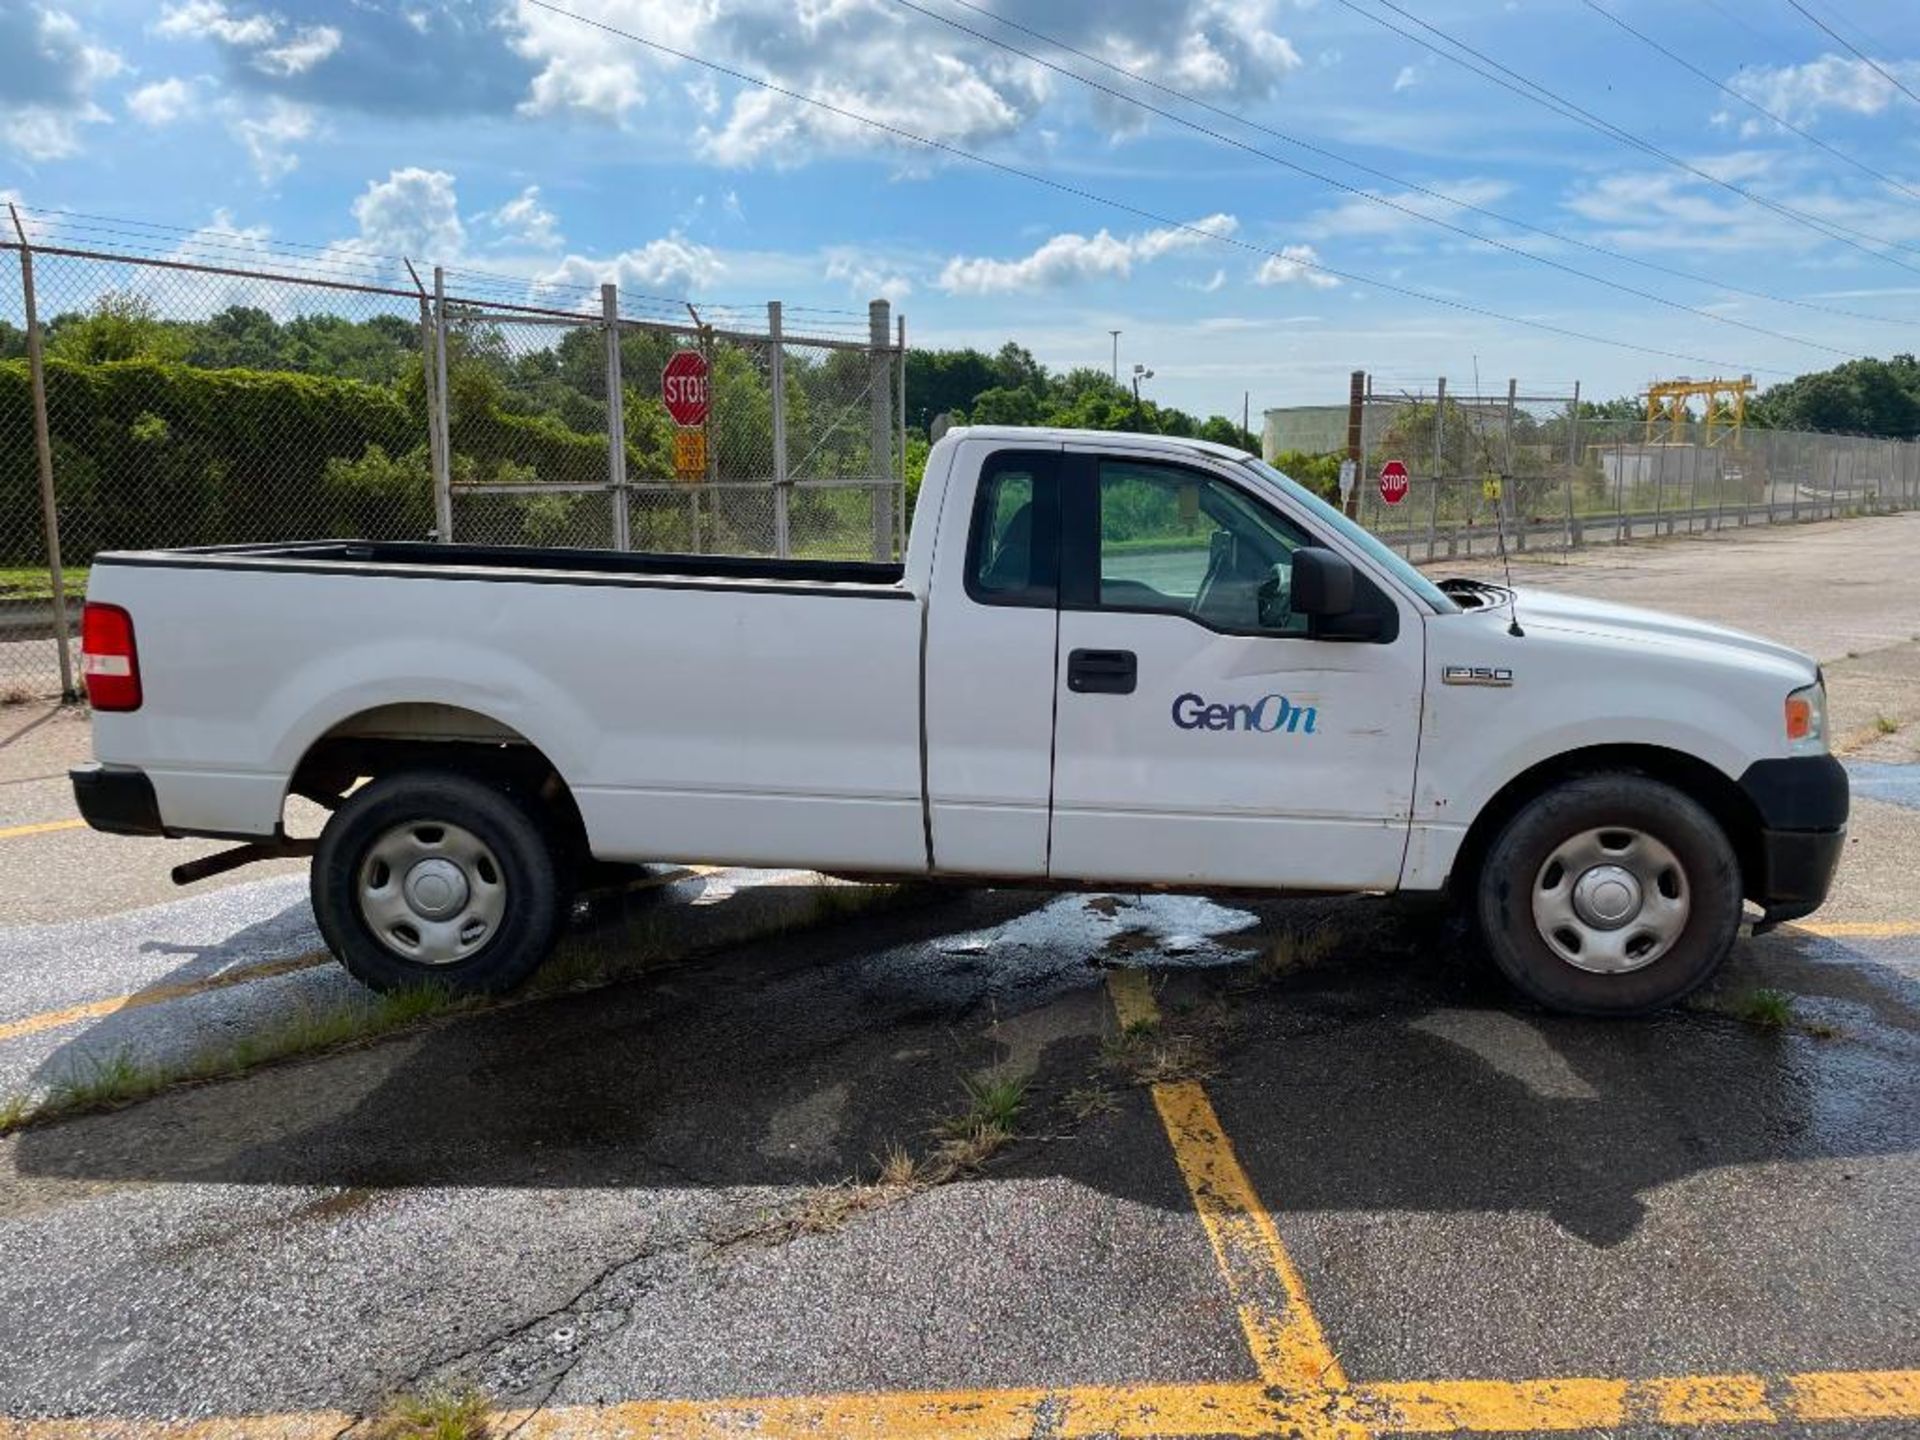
1428, 191
1871, 63
1540, 95
1125, 207
1369, 196
1748, 101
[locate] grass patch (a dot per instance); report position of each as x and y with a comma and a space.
106, 1082
1886, 724
435, 1415
1764, 1009
29, 583
1090, 1102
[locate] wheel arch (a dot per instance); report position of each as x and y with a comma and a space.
419, 735
1711, 788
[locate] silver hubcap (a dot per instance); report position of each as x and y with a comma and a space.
431, 892
1611, 900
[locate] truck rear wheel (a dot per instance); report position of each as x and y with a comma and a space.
1610, 895
430, 877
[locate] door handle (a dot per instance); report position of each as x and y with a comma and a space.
1102, 672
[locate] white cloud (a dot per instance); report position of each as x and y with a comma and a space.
304, 50
273, 52
1068, 257
525, 221
867, 277
1408, 77
211, 20
1801, 93
162, 102
270, 134
48, 70
673, 266
412, 212
878, 60
1295, 264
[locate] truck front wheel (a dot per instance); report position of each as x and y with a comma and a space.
1610, 895
430, 877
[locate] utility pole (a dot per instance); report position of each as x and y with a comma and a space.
1116, 355
1246, 413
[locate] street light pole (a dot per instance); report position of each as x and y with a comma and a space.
1116, 355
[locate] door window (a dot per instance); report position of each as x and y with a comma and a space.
1178, 541
1013, 555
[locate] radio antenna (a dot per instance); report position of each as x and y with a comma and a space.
1499, 506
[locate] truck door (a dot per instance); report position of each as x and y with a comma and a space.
1202, 735
990, 661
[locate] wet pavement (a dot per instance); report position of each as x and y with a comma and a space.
1281, 1168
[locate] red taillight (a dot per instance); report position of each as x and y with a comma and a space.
107, 658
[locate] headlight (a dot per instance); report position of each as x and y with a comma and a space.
1807, 720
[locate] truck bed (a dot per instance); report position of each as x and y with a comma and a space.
525, 564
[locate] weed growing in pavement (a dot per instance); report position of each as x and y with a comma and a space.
99, 1081
898, 1168
14, 1111
103, 1082
15, 695
1886, 724
435, 1415
1142, 1055
1765, 1009
994, 1100
1293, 950
1090, 1102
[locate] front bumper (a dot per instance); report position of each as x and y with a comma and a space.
116, 799
1803, 804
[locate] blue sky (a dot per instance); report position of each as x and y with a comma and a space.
498, 135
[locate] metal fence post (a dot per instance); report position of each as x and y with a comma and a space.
616, 417
43, 453
441, 404
777, 379
880, 432
1439, 465
1509, 499
900, 363
1574, 537
436, 452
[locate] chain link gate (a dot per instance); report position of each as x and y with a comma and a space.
218, 393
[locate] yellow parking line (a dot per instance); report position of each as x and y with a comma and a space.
160, 994
1140, 1412
155, 995
46, 827
1288, 1346
1863, 929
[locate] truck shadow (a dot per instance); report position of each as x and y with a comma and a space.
1389, 1077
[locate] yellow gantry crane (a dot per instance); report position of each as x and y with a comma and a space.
1668, 400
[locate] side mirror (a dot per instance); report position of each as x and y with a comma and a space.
1322, 583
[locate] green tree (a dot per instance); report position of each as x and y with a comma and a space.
121, 326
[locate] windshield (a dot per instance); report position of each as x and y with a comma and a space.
1377, 550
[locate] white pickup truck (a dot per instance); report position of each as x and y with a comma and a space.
1115, 661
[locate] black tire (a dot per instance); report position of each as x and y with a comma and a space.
521, 853
1514, 862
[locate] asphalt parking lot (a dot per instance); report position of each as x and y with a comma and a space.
771, 1156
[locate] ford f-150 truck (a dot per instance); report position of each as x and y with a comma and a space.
1116, 661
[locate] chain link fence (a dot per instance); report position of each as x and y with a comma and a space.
211, 392
1534, 472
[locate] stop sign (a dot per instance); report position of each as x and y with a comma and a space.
683, 385
1393, 482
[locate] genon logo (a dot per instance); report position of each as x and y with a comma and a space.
1266, 715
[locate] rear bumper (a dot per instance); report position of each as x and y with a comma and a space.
1803, 806
116, 799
